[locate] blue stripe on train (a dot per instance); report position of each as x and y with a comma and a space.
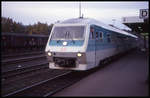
70, 42
101, 46
92, 46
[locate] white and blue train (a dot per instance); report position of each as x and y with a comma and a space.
81, 43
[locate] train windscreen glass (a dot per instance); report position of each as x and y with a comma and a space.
68, 33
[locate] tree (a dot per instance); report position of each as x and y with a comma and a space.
8, 25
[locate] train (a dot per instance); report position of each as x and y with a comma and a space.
19, 42
80, 44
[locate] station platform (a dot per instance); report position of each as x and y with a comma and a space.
127, 76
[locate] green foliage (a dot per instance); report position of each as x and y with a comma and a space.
8, 25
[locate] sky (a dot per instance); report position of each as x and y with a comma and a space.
50, 12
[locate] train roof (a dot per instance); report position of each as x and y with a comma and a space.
93, 21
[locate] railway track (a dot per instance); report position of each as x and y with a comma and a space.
50, 86
23, 59
23, 70
23, 80
33, 87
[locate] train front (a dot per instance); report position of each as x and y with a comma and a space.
66, 47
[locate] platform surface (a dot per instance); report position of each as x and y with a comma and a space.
127, 76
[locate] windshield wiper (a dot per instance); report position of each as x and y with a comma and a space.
71, 38
67, 33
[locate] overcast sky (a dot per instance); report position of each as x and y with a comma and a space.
50, 12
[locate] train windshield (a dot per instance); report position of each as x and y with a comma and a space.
68, 33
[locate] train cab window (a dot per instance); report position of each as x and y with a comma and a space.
68, 33
108, 38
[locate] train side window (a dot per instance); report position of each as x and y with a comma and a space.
92, 33
108, 38
101, 35
96, 34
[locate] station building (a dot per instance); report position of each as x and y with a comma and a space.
139, 25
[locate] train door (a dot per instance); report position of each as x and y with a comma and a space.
97, 42
92, 46
98, 45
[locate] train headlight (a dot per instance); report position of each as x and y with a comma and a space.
79, 54
65, 43
49, 54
